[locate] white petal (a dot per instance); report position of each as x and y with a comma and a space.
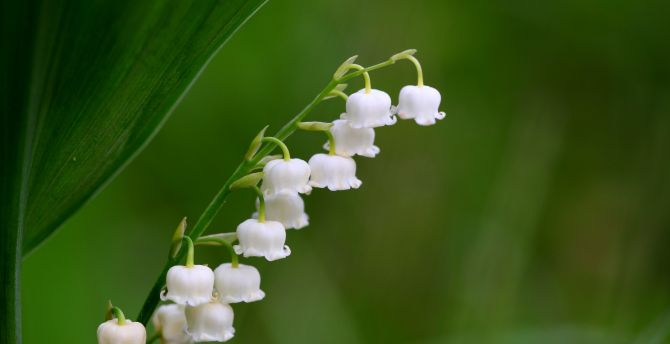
110, 332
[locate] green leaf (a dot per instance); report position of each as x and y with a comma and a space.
84, 85
106, 74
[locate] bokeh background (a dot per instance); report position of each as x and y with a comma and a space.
536, 212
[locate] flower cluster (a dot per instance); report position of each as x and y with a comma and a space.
201, 297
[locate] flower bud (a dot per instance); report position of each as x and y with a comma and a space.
286, 207
369, 110
111, 332
262, 239
352, 141
170, 321
189, 285
420, 103
238, 284
333, 172
210, 322
291, 175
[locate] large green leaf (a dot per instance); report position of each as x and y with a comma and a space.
84, 86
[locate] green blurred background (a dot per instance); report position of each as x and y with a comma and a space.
536, 212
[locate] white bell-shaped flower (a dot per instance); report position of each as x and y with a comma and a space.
286, 207
333, 172
111, 332
352, 141
170, 321
291, 175
238, 284
369, 110
189, 285
210, 322
420, 103
262, 239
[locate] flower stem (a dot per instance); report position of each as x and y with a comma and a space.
366, 76
282, 145
190, 254
419, 71
206, 218
340, 94
261, 204
120, 317
216, 241
331, 142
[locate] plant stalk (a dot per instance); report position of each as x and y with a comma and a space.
203, 222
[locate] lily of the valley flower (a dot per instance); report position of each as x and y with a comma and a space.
121, 331
241, 283
420, 103
333, 172
262, 239
352, 141
110, 332
189, 284
285, 174
369, 109
210, 322
286, 207
170, 321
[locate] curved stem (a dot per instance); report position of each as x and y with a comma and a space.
234, 261
331, 142
214, 206
214, 241
419, 71
282, 145
120, 317
190, 253
261, 204
366, 76
340, 94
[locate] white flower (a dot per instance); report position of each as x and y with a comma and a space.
238, 284
170, 321
286, 207
262, 239
210, 322
111, 332
352, 141
280, 174
369, 110
421, 103
333, 172
189, 285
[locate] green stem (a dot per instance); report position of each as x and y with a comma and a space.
205, 219
261, 204
340, 94
213, 241
120, 317
190, 261
282, 145
419, 71
366, 76
331, 142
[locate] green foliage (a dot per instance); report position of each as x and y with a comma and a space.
84, 86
